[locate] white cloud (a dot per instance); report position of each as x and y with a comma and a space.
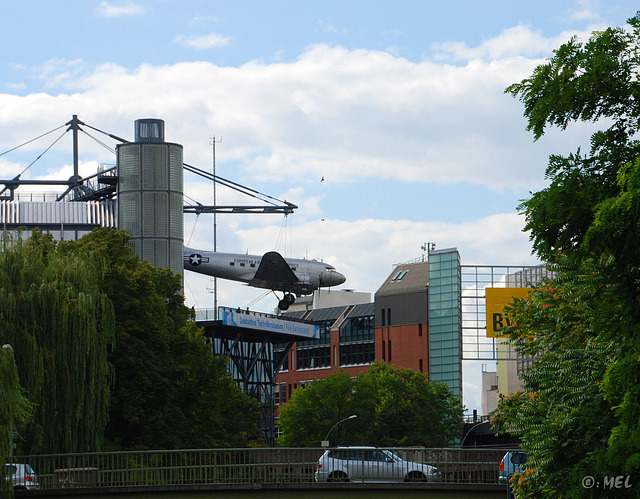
110, 9
327, 27
58, 72
203, 20
365, 250
516, 42
584, 10
204, 41
348, 114
353, 116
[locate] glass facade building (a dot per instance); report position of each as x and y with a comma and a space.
445, 318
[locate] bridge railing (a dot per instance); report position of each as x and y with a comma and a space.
235, 466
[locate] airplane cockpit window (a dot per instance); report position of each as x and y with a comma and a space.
330, 267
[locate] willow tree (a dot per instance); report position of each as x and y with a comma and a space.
60, 326
14, 409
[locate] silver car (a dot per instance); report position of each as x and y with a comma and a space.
22, 476
370, 464
512, 462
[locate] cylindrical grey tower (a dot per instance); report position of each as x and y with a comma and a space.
150, 195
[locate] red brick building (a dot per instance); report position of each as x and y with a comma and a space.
392, 329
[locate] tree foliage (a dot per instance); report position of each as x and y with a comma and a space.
14, 409
579, 411
60, 326
394, 407
108, 354
170, 391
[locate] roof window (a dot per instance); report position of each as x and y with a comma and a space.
399, 275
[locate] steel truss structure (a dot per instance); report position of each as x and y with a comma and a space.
475, 280
254, 366
255, 356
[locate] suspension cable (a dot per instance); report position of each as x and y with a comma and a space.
193, 230
98, 141
32, 140
233, 185
125, 141
42, 153
256, 300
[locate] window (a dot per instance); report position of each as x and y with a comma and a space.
278, 350
357, 329
399, 276
357, 341
325, 336
276, 395
357, 354
314, 358
356, 455
376, 455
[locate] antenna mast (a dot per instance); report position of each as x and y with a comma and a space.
215, 228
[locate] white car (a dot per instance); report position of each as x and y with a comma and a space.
370, 464
22, 476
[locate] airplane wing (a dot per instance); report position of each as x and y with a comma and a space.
274, 272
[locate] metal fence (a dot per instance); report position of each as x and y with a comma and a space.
236, 466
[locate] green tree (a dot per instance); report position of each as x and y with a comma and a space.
60, 326
105, 346
311, 412
562, 415
14, 410
579, 411
395, 407
406, 409
170, 391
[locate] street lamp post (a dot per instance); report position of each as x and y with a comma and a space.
325, 442
470, 430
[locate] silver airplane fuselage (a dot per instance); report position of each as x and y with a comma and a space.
269, 271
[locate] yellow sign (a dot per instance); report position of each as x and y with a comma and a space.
497, 299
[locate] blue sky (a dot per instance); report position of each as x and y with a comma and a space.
400, 106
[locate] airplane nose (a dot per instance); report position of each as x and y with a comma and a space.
335, 278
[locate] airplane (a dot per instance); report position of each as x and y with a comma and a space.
292, 276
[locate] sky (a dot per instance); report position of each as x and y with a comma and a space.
386, 123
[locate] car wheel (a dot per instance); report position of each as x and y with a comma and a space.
338, 476
415, 476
